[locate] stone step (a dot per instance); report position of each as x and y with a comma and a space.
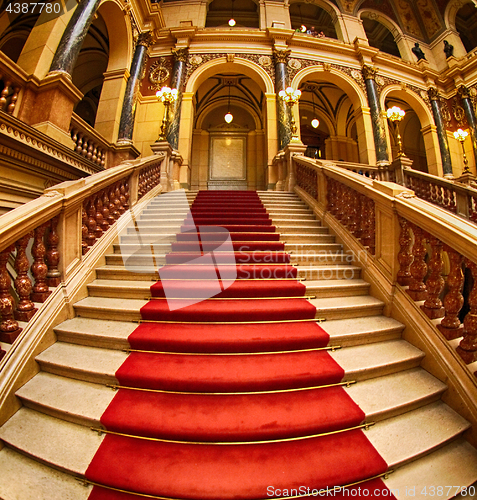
128, 309
26, 479
48, 439
98, 365
141, 289
291, 217
84, 403
135, 260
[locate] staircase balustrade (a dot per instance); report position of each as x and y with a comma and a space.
41, 247
12, 81
88, 143
425, 249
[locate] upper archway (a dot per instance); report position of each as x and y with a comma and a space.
246, 13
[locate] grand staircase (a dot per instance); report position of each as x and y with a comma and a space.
49, 444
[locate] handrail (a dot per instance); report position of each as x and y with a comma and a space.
64, 224
423, 248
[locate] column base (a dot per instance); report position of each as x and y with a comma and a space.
434, 313
451, 333
467, 356
10, 337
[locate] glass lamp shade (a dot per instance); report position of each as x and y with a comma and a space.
229, 117
231, 22
315, 122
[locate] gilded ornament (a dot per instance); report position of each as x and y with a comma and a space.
294, 64
180, 54
281, 56
369, 72
379, 80
356, 74
158, 74
265, 61
195, 60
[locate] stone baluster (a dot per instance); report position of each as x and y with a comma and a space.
125, 186
52, 256
95, 154
120, 197
405, 256
352, 221
435, 282
84, 231
9, 329
79, 144
84, 151
99, 215
39, 269
25, 308
89, 153
113, 202
451, 326
108, 219
417, 288
91, 211
13, 100
467, 348
330, 195
369, 237
4, 94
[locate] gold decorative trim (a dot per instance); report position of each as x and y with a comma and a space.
346, 384
331, 348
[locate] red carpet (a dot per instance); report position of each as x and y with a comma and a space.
232, 397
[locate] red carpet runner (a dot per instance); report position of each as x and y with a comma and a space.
232, 404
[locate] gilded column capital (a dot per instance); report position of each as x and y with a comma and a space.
433, 94
281, 55
180, 54
463, 92
145, 38
369, 72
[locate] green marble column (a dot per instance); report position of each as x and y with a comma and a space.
470, 115
379, 132
177, 82
441, 132
73, 36
128, 113
281, 83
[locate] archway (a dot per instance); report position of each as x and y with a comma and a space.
206, 96
419, 138
316, 19
379, 35
341, 106
246, 13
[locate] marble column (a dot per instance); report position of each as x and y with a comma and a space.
128, 113
441, 132
470, 115
379, 132
281, 83
73, 36
177, 82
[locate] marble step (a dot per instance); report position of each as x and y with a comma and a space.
48, 439
84, 403
141, 289
166, 227
114, 334
98, 365
129, 309
306, 272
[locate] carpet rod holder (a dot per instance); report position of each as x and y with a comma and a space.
331, 348
308, 297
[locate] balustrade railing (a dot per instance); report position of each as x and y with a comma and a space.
87, 142
12, 81
423, 248
40, 244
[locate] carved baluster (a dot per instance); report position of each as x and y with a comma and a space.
468, 345
39, 269
120, 197
84, 231
91, 211
452, 202
107, 218
25, 308
4, 95
9, 329
340, 201
451, 326
99, 215
74, 137
125, 186
52, 257
353, 215
330, 195
405, 256
115, 202
79, 144
103, 159
13, 101
112, 207
89, 152
435, 282
369, 237
360, 215
84, 151
94, 157
417, 288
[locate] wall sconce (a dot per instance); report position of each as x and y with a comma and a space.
461, 135
395, 115
167, 96
291, 97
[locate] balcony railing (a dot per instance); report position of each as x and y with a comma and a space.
12, 82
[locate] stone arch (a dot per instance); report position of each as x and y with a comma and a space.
358, 98
424, 114
391, 25
333, 11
